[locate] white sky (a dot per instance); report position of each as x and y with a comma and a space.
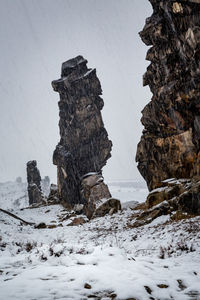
36, 36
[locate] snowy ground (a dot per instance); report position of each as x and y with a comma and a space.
13, 195
128, 192
103, 259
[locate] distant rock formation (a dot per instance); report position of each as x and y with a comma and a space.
84, 146
53, 195
34, 183
170, 144
45, 185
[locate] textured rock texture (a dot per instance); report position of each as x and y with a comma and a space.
97, 198
53, 195
34, 183
170, 144
179, 199
84, 145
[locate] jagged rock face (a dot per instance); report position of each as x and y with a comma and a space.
170, 144
84, 145
34, 182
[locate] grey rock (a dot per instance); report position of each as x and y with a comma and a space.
53, 195
84, 145
170, 144
34, 183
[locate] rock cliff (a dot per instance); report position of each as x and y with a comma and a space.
170, 144
84, 146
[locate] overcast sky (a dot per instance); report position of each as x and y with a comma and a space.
36, 36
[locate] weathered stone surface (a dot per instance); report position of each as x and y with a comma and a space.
170, 144
97, 198
178, 198
84, 145
53, 195
34, 183
107, 206
102, 207
165, 193
189, 201
148, 215
93, 187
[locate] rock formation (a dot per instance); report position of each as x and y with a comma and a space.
179, 199
84, 146
97, 196
34, 183
53, 195
170, 144
45, 185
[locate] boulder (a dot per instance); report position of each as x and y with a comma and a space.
164, 193
107, 206
189, 201
96, 196
180, 199
102, 207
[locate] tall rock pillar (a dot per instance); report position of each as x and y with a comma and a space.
84, 146
34, 182
170, 144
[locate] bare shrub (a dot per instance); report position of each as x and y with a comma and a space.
176, 249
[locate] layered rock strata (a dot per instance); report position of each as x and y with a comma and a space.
34, 183
170, 144
84, 146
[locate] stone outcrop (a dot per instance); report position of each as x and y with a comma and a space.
97, 198
84, 145
179, 199
170, 144
93, 188
53, 195
34, 183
